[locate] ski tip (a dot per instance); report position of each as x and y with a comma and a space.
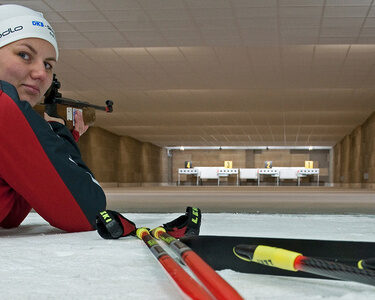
157, 231
141, 232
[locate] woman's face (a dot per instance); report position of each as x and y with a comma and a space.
28, 65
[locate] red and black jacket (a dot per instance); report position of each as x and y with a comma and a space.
41, 168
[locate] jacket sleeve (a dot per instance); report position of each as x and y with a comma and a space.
42, 163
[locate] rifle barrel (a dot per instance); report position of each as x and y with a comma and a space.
81, 104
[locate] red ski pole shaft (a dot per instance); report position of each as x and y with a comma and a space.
184, 281
218, 287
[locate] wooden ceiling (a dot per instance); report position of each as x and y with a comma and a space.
219, 72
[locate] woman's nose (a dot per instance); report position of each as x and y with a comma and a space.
39, 71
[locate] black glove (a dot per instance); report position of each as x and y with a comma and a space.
187, 224
112, 225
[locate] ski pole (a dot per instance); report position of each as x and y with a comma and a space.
184, 281
211, 280
293, 261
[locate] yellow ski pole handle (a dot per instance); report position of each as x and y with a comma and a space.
266, 255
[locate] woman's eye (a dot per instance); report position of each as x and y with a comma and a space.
24, 55
48, 66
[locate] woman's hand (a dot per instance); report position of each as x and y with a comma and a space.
79, 124
48, 118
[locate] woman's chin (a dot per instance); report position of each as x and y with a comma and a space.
33, 100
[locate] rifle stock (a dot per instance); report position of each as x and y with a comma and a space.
66, 112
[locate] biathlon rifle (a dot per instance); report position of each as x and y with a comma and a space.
53, 99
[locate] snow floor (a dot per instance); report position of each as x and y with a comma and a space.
40, 262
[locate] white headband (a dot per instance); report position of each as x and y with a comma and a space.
19, 22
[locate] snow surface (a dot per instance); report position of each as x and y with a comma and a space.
40, 262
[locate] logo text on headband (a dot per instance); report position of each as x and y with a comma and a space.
10, 30
41, 24
38, 23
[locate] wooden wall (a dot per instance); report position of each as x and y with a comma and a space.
120, 160
355, 157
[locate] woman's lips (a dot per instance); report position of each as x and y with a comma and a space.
31, 89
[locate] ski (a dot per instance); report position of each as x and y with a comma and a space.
188, 286
217, 251
218, 287
294, 261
